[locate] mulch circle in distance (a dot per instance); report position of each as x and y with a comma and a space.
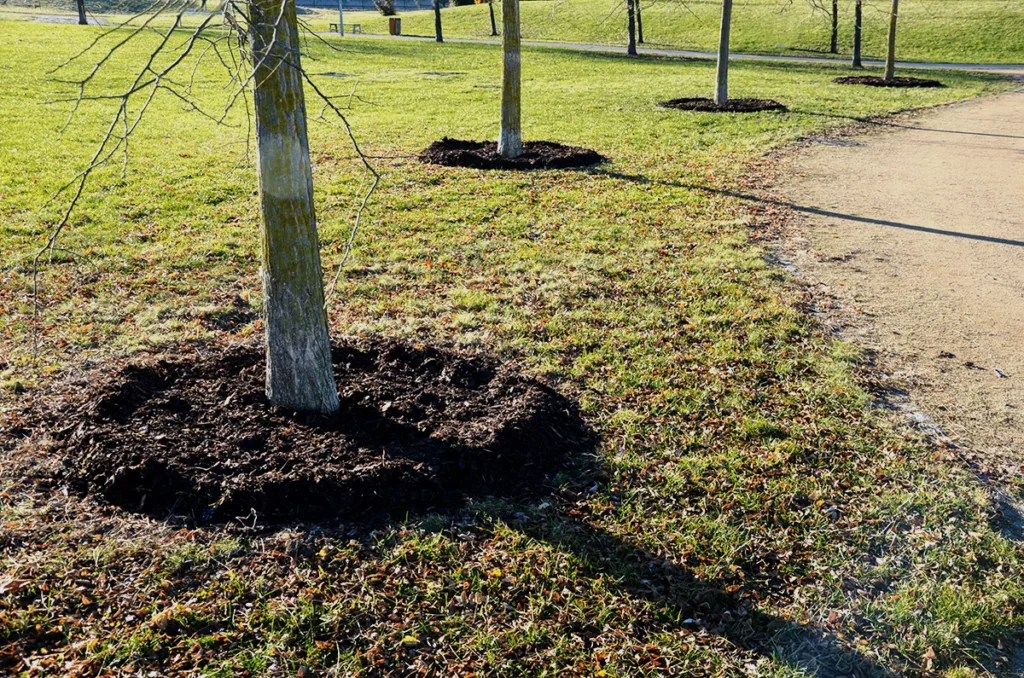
484, 155
420, 428
705, 105
877, 81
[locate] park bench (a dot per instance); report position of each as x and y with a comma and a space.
351, 28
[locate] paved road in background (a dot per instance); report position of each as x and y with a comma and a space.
1005, 69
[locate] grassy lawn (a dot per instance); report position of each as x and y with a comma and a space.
986, 31
964, 31
746, 512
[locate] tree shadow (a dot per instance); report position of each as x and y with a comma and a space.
806, 209
713, 607
895, 125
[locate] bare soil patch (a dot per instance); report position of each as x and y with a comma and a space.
876, 81
705, 105
484, 155
419, 428
925, 267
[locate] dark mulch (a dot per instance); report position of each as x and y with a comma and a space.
484, 155
876, 81
419, 428
732, 106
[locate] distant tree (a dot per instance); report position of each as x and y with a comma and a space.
858, 26
639, 24
81, 12
437, 21
494, 27
722, 72
834, 42
829, 8
631, 27
890, 52
510, 139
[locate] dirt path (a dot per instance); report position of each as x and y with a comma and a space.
917, 226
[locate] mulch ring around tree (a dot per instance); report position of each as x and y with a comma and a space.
420, 428
704, 105
876, 81
484, 155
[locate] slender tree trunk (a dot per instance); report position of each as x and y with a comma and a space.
494, 27
834, 43
81, 13
631, 27
437, 21
510, 142
722, 75
858, 16
890, 52
299, 372
639, 24
341, 19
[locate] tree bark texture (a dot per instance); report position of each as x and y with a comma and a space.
890, 52
639, 24
722, 73
631, 27
858, 17
299, 371
510, 141
834, 42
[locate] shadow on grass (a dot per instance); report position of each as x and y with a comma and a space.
807, 209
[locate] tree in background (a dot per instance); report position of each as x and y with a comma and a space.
834, 42
858, 27
510, 139
494, 27
631, 27
639, 24
81, 12
890, 52
437, 21
722, 72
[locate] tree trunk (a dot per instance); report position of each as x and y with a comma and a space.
722, 75
630, 27
299, 371
81, 13
639, 24
494, 27
890, 52
437, 21
858, 16
341, 19
834, 44
510, 141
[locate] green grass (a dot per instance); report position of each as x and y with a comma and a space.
750, 509
984, 31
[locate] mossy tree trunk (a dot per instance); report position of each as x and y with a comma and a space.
858, 26
299, 371
890, 52
81, 13
510, 139
494, 26
722, 73
437, 21
631, 27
